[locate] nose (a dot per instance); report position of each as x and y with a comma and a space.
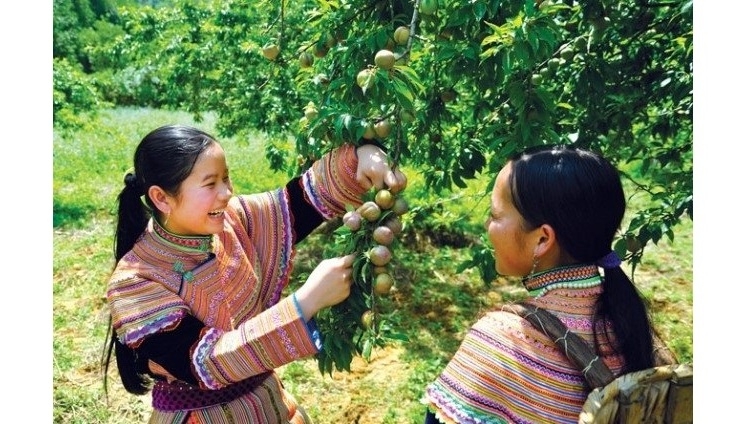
228, 190
487, 222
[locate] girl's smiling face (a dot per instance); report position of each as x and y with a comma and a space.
199, 207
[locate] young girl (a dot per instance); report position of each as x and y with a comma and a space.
554, 213
196, 293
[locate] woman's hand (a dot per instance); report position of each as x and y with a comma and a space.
328, 284
374, 170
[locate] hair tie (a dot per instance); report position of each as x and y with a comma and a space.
609, 261
130, 180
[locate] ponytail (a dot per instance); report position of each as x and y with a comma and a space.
132, 220
621, 304
128, 365
132, 216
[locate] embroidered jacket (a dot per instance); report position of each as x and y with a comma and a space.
506, 371
208, 311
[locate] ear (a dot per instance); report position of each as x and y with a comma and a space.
547, 240
160, 198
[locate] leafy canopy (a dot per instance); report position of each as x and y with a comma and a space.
474, 82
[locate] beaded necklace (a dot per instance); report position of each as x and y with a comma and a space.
567, 277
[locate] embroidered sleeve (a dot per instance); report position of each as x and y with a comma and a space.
273, 338
274, 221
330, 184
268, 239
141, 308
151, 319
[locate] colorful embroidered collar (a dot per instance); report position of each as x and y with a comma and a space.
200, 243
574, 276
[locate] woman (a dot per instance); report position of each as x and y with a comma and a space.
196, 296
555, 211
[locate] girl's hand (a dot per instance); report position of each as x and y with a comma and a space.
374, 170
328, 284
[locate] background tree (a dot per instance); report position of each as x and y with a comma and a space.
470, 83
77, 26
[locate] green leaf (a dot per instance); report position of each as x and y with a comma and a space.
396, 336
458, 180
367, 346
479, 10
546, 98
403, 94
530, 7
517, 94
500, 34
687, 7
446, 53
409, 75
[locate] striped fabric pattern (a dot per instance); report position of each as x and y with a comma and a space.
140, 307
506, 371
233, 282
269, 340
269, 228
330, 183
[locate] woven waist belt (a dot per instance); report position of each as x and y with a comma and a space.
180, 396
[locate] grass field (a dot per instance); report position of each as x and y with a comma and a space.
433, 304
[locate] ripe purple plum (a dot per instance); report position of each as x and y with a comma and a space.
380, 255
352, 220
383, 235
370, 211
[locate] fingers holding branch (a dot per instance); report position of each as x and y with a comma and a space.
374, 170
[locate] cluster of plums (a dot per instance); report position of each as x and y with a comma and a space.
380, 218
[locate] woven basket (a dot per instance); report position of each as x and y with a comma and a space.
655, 395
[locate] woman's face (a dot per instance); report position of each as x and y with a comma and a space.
513, 245
199, 208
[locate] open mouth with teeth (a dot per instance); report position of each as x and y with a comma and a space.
217, 212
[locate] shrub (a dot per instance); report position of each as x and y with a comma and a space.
74, 95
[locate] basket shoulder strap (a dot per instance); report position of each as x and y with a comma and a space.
573, 346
